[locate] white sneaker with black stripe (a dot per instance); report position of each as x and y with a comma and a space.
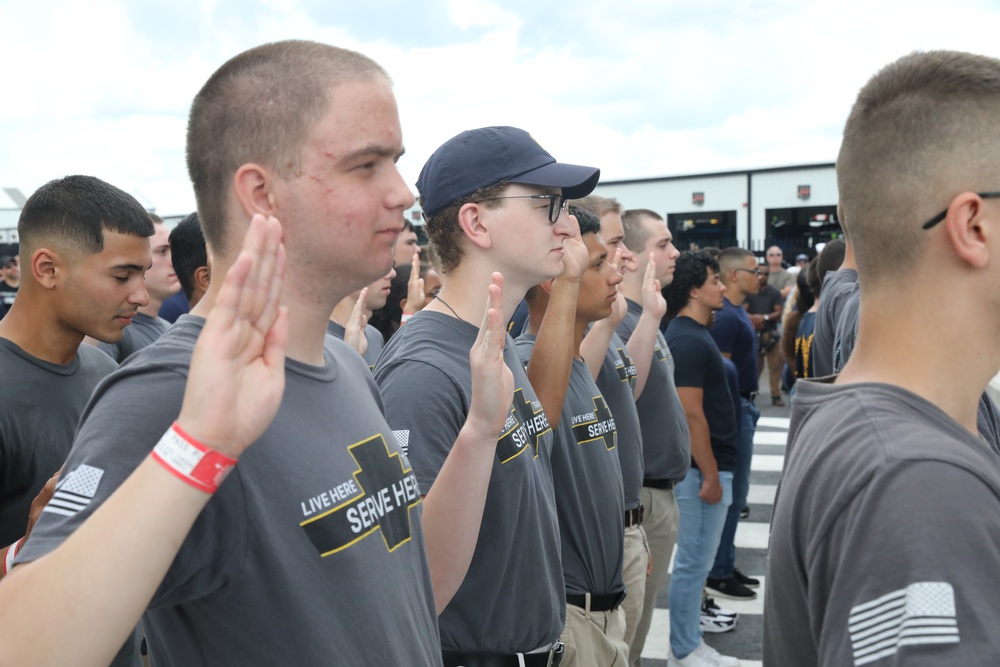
715, 619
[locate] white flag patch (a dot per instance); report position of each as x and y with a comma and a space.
921, 613
403, 440
75, 491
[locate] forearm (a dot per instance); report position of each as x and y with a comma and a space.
51, 615
640, 347
594, 347
701, 445
453, 511
552, 356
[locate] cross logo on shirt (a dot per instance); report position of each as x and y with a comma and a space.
388, 492
524, 427
601, 427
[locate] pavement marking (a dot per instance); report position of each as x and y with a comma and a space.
774, 422
761, 494
770, 438
752, 535
657, 645
767, 463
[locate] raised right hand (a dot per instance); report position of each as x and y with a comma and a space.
492, 381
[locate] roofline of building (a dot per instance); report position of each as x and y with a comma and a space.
713, 174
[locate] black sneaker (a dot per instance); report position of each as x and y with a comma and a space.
745, 512
729, 588
749, 582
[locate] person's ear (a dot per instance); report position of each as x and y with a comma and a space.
254, 188
968, 225
47, 267
473, 223
202, 278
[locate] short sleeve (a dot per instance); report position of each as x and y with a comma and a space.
690, 361
901, 577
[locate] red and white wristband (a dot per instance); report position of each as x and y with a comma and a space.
8, 561
191, 461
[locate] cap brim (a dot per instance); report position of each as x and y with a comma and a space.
575, 181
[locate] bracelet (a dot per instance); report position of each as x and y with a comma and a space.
191, 461
12, 550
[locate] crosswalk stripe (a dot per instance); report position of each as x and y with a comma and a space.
762, 494
770, 438
658, 641
751, 535
774, 422
767, 463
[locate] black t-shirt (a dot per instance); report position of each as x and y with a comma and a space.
763, 303
698, 363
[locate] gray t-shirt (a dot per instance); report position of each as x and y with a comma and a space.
143, 331
42, 403
840, 288
375, 340
512, 599
617, 382
780, 279
588, 483
666, 444
885, 534
310, 553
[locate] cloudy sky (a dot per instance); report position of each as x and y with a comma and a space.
639, 88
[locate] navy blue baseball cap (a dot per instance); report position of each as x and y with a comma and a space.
479, 158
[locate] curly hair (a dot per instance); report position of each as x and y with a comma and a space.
444, 231
690, 271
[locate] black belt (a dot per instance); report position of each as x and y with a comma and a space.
634, 517
749, 395
606, 602
662, 484
550, 658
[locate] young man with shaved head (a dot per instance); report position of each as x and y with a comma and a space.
313, 552
886, 523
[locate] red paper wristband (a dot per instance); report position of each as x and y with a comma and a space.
191, 461
8, 561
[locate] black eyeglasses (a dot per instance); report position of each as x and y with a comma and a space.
943, 214
756, 272
557, 203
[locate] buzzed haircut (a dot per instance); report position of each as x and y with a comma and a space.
923, 130
636, 232
598, 205
731, 258
259, 107
690, 271
589, 222
188, 252
830, 258
77, 210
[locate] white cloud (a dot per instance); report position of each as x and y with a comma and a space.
640, 89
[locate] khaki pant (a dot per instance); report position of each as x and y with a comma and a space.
660, 526
594, 638
634, 573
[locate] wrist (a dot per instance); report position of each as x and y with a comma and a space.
191, 461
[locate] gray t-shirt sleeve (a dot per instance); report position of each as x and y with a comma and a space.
125, 419
901, 573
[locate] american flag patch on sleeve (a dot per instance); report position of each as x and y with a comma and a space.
75, 491
920, 614
403, 440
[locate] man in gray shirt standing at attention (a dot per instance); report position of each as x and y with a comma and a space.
886, 524
86, 247
666, 445
494, 201
313, 551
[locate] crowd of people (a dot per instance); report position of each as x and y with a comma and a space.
355, 450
